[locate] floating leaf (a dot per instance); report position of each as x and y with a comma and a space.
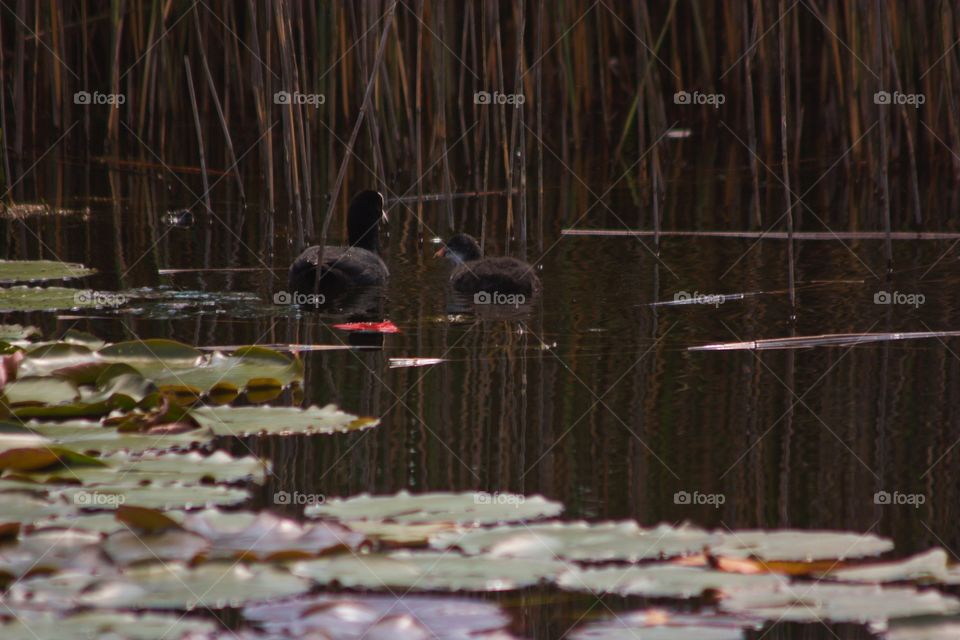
89, 436
661, 581
130, 547
37, 458
656, 624
17, 332
580, 541
39, 390
245, 421
162, 586
428, 571
50, 551
144, 519
42, 299
122, 469
928, 566
467, 508
802, 546
37, 270
404, 618
268, 537
32, 625
815, 602
179, 496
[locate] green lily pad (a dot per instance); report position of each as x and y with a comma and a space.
580, 541
656, 624
37, 270
800, 546
465, 508
662, 581
169, 363
268, 537
127, 547
178, 496
39, 390
122, 469
16, 506
931, 629
172, 585
31, 625
404, 618
17, 332
815, 602
42, 299
245, 421
90, 436
930, 566
50, 551
38, 458
428, 571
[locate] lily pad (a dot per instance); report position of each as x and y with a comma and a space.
17, 332
16, 506
122, 469
37, 270
269, 537
655, 624
89, 436
404, 618
49, 551
932, 629
171, 585
42, 299
813, 602
662, 581
130, 547
245, 421
39, 390
31, 625
929, 566
178, 496
428, 571
465, 508
580, 541
801, 546
169, 363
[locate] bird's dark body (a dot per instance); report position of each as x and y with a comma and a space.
502, 275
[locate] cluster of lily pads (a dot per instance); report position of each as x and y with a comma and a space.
119, 518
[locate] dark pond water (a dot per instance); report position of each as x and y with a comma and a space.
591, 397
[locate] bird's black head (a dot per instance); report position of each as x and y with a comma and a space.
461, 248
363, 220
